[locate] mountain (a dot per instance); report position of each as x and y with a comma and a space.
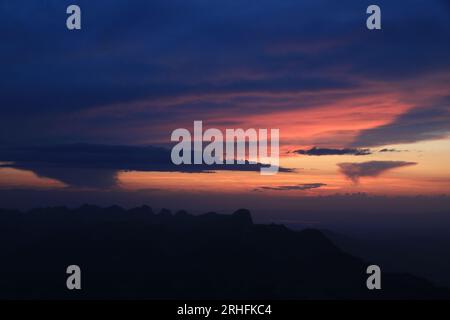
138, 254
421, 252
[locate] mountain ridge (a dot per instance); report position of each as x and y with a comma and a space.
140, 254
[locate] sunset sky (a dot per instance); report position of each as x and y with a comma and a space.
359, 111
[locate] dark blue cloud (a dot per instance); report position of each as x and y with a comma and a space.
86, 165
135, 50
420, 124
315, 151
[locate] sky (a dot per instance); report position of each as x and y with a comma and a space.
91, 111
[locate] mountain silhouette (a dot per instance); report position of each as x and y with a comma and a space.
140, 254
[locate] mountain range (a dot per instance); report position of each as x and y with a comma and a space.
140, 254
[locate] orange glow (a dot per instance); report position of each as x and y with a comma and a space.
14, 178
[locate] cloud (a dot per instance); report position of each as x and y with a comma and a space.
418, 124
93, 165
198, 48
76, 177
315, 151
305, 186
390, 150
354, 171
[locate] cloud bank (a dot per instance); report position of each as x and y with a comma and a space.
89, 165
